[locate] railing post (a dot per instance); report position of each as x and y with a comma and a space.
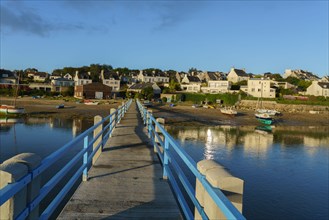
149, 123
161, 121
123, 108
11, 172
97, 130
112, 120
218, 177
165, 158
85, 160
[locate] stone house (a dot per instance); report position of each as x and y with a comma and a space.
318, 89
158, 77
111, 79
260, 88
81, 78
191, 84
95, 90
237, 75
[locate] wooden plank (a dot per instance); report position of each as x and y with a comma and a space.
126, 180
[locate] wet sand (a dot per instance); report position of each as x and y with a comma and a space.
181, 115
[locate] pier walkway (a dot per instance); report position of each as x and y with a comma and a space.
126, 180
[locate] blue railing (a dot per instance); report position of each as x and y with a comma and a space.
83, 158
166, 148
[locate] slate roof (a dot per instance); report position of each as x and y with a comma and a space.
108, 75
323, 85
141, 85
193, 79
240, 72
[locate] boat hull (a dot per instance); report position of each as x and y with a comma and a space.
8, 109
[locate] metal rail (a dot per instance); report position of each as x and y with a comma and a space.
166, 148
82, 159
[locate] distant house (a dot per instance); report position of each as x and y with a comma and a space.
260, 88
191, 84
137, 88
325, 79
7, 77
41, 86
111, 79
318, 89
212, 76
300, 74
81, 78
38, 76
55, 75
158, 77
68, 76
95, 90
217, 86
61, 84
237, 75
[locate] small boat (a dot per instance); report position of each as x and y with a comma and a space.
60, 106
270, 112
314, 112
264, 118
11, 109
195, 106
228, 111
88, 102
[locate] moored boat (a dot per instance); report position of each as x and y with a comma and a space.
11, 109
264, 118
228, 111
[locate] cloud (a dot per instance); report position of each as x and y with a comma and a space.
26, 20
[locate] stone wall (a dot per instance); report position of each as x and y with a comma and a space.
251, 105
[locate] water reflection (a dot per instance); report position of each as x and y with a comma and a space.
41, 135
284, 168
255, 141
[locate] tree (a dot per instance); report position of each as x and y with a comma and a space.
192, 69
147, 92
174, 86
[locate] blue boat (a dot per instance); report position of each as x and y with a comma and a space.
60, 106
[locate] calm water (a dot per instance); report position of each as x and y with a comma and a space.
285, 171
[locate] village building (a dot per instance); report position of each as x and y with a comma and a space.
61, 84
41, 86
68, 76
211, 76
300, 74
94, 90
55, 75
82, 78
318, 89
7, 77
191, 84
237, 75
138, 87
217, 86
158, 77
261, 88
38, 76
111, 79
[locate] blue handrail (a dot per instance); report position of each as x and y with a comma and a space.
171, 168
84, 156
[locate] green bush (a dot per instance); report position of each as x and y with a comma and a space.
164, 99
228, 99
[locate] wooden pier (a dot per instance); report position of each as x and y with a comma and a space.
126, 180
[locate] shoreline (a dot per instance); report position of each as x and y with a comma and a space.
180, 115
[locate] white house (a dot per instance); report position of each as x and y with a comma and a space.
217, 86
260, 88
68, 76
38, 76
158, 77
61, 84
318, 89
140, 86
81, 78
237, 75
111, 79
191, 84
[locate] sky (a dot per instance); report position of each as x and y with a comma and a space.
259, 36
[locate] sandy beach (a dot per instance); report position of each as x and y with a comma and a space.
183, 115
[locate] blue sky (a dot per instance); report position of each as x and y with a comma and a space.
260, 36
